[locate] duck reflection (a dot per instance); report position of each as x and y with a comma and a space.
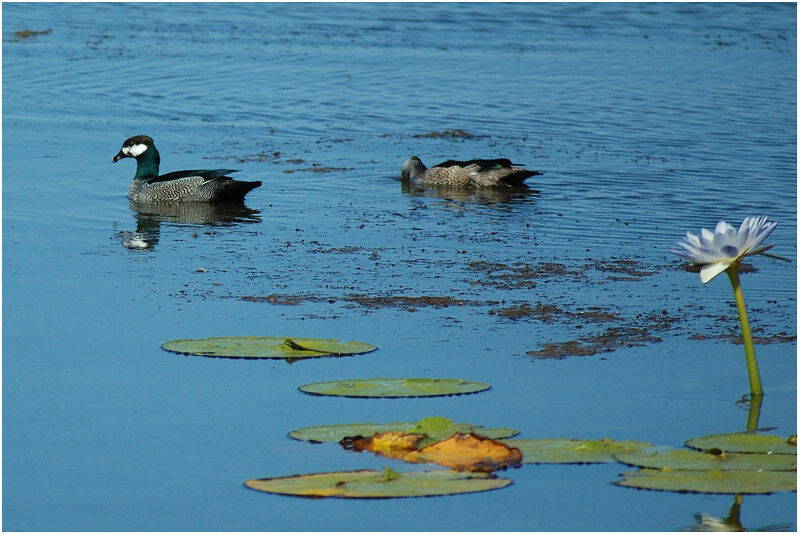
149, 217
495, 195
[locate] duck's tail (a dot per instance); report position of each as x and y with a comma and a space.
518, 176
235, 190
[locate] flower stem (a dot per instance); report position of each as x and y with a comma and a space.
755, 411
749, 349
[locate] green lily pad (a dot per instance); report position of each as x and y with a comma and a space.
711, 481
336, 432
696, 460
266, 347
376, 484
744, 443
571, 450
436, 428
393, 388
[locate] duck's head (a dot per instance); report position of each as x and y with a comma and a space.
412, 168
136, 146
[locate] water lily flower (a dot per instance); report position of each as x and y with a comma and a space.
719, 250
723, 250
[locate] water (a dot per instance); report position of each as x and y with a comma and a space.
647, 120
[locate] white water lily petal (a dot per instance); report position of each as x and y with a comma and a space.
760, 234
698, 249
745, 235
722, 228
706, 237
692, 239
709, 271
748, 230
717, 251
724, 235
695, 255
760, 249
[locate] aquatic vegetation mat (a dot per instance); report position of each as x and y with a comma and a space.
266, 347
710, 481
506, 291
434, 428
375, 484
745, 443
571, 450
394, 387
696, 460
454, 134
316, 168
628, 333
26, 34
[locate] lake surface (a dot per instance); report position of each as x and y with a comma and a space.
647, 121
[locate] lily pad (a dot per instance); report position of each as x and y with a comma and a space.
376, 484
336, 432
463, 452
696, 460
266, 347
393, 444
745, 443
711, 481
394, 388
468, 452
436, 428
570, 450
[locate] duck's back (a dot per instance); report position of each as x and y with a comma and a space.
446, 176
191, 186
491, 172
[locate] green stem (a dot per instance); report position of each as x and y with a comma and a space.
749, 349
755, 411
734, 515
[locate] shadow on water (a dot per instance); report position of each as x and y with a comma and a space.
484, 196
149, 217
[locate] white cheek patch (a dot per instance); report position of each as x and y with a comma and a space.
134, 150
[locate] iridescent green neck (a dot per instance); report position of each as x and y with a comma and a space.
147, 165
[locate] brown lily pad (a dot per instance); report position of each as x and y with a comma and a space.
463, 452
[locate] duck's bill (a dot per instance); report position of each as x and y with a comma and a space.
120, 155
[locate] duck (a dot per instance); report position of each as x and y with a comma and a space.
148, 186
479, 172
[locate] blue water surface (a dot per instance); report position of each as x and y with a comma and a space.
647, 121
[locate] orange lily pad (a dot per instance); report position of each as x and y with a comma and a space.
463, 452
394, 444
468, 452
